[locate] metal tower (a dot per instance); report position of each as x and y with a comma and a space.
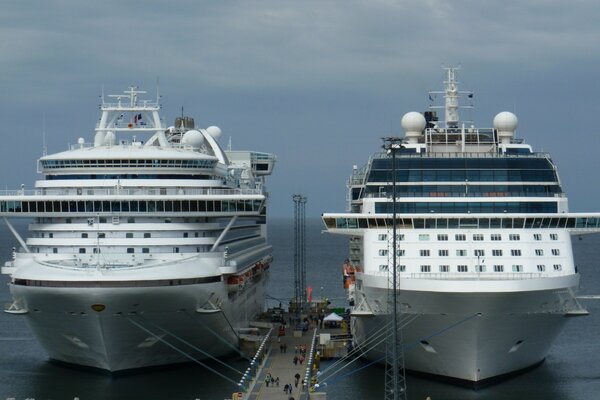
299, 252
395, 382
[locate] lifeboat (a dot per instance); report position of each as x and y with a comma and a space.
235, 282
349, 271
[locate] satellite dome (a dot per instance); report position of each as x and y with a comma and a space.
505, 122
193, 138
214, 131
413, 123
81, 140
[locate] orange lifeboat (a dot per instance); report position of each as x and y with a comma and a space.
235, 282
349, 271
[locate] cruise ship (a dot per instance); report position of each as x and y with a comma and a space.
485, 269
147, 246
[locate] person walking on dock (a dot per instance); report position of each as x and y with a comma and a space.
297, 376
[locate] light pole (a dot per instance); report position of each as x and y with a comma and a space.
395, 385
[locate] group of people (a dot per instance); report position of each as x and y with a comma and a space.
283, 348
270, 380
299, 354
287, 389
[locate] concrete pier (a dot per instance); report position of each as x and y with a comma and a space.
280, 365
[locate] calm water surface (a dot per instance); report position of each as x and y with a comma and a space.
571, 370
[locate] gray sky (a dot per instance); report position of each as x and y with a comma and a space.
318, 83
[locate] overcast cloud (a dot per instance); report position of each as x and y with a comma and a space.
315, 82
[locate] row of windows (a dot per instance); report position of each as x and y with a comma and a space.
128, 250
131, 206
465, 268
520, 163
364, 222
129, 235
450, 190
127, 176
461, 175
53, 164
461, 237
468, 207
464, 253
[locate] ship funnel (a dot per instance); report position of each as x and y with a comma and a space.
506, 125
413, 124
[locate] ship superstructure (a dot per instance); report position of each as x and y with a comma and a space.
484, 257
149, 236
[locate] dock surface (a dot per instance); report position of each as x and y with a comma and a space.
280, 364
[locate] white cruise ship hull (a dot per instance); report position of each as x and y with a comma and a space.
472, 336
139, 327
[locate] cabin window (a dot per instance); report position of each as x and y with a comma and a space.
496, 237
382, 237
555, 252
129, 235
442, 237
130, 250
425, 268
539, 252
478, 237
145, 250
537, 236
444, 268
424, 253
497, 253
517, 268
553, 236
462, 268
443, 253
460, 237
147, 235
515, 252
541, 268
498, 268
81, 250
461, 252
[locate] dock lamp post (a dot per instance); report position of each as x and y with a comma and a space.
395, 385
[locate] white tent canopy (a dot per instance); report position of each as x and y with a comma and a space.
333, 317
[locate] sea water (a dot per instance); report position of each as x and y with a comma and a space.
571, 370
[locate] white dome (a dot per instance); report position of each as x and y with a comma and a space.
193, 138
110, 138
413, 122
214, 131
505, 122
